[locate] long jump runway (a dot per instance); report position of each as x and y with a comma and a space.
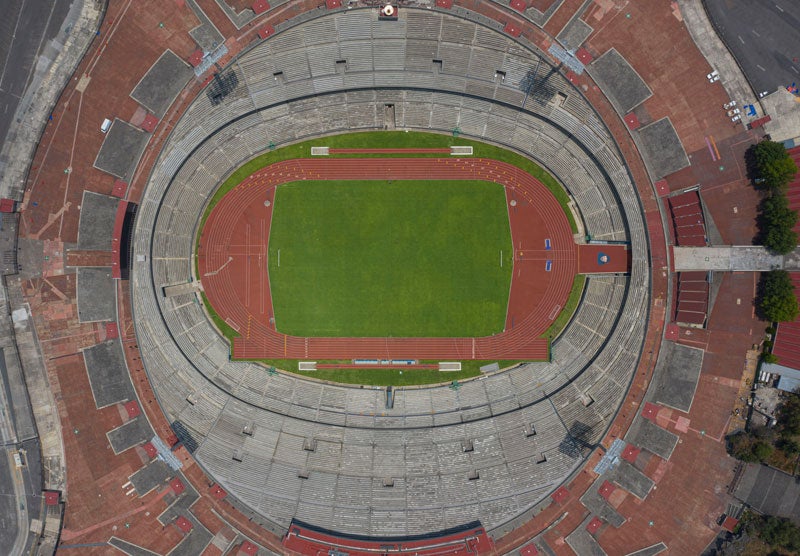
232, 262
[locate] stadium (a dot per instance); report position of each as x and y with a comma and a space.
379, 278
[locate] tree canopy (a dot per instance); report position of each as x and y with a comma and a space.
748, 447
774, 165
789, 415
777, 223
781, 532
777, 299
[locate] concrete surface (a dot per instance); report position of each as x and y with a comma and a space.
53, 69
677, 373
619, 81
161, 84
770, 491
25, 29
108, 375
133, 433
784, 108
738, 258
651, 437
661, 149
96, 228
121, 149
97, 299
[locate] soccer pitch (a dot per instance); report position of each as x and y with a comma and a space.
379, 259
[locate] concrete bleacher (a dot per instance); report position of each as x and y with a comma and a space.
358, 442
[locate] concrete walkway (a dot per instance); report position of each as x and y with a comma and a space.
729, 259
742, 258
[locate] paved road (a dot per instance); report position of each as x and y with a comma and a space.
764, 37
25, 28
10, 519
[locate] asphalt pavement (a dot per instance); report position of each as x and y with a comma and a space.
763, 36
9, 517
25, 28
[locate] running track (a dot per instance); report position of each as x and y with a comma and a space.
233, 262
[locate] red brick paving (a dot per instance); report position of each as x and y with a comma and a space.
560, 495
632, 121
260, 6
583, 55
594, 525
266, 31
149, 125
630, 453
606, 489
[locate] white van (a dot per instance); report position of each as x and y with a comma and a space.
106, 125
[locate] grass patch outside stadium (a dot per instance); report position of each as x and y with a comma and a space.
477, 318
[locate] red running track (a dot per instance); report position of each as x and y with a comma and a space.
232, 261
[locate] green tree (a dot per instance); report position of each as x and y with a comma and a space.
761, 450
789, 414
789, 446
749, 447
777, 222
780, 532
769, 358
774, 165
777, 299
739, 446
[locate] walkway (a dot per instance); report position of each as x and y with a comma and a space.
746, 258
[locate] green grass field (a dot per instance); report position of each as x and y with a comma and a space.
376, 259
